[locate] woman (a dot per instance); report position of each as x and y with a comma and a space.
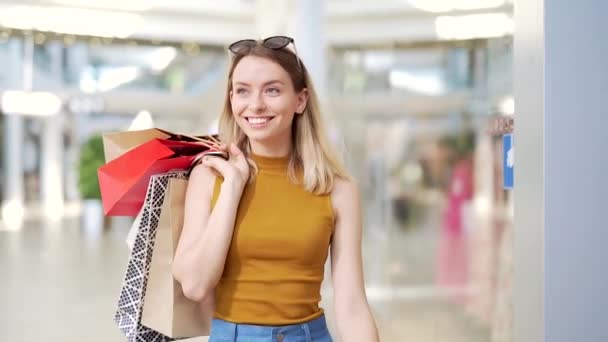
258, 226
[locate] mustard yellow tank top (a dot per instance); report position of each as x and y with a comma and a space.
275, 263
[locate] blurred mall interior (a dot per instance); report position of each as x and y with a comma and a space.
411, 90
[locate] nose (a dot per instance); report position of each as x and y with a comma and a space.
257, 103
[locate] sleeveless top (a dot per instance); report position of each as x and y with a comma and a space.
275, 263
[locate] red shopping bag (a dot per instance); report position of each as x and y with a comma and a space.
116, 144
123, 181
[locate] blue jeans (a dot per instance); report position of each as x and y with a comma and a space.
311, 331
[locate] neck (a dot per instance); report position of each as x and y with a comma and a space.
273, 150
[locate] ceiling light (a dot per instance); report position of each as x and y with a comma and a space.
31, 103
440, 6
486, 25
75, 21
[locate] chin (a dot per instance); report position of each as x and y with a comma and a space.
260, 137
264, 137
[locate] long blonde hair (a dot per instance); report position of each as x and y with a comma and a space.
313, 162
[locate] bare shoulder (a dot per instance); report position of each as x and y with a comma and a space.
202, 180
202, 173
344, 195
344, 187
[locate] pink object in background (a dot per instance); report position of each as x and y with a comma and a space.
452, 252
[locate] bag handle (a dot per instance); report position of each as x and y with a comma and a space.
199, 158
209, 139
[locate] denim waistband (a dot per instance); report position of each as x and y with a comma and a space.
230, 331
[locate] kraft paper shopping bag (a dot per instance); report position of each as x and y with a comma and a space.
166, 309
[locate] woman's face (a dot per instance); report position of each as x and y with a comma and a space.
264, 101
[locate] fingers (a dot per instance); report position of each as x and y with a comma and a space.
235, 151
219, 151
238, 158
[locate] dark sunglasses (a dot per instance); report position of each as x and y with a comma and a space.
274, 43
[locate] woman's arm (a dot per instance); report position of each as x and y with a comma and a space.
206, 234
353, 316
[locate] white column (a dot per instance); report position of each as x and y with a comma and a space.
304, 20
77, 57
271, 18
561, 171
51, 170
13, 199
309, 33
13, 183
51, 166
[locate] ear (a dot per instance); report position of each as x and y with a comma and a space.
230, 94
302, 101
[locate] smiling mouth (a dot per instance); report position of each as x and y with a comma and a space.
258, 120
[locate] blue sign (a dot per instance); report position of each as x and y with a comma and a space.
508, 160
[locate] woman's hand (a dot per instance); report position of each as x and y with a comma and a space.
235, 170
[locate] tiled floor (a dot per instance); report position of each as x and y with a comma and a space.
60, 282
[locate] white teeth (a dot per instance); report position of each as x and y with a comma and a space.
258, 120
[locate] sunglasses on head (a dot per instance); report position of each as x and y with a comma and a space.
274, 43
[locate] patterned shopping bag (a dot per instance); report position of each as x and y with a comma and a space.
131, 300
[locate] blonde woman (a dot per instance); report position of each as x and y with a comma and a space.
259, 226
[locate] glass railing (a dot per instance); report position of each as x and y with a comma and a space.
103, 68
160, 68
419, 71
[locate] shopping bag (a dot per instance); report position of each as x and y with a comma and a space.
123, 180
166, 309
131, 299
117, 143
130, 240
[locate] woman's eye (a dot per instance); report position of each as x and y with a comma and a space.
241, 91
272, 91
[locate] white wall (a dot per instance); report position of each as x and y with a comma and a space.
561, 82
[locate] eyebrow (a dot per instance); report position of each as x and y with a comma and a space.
265, 84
